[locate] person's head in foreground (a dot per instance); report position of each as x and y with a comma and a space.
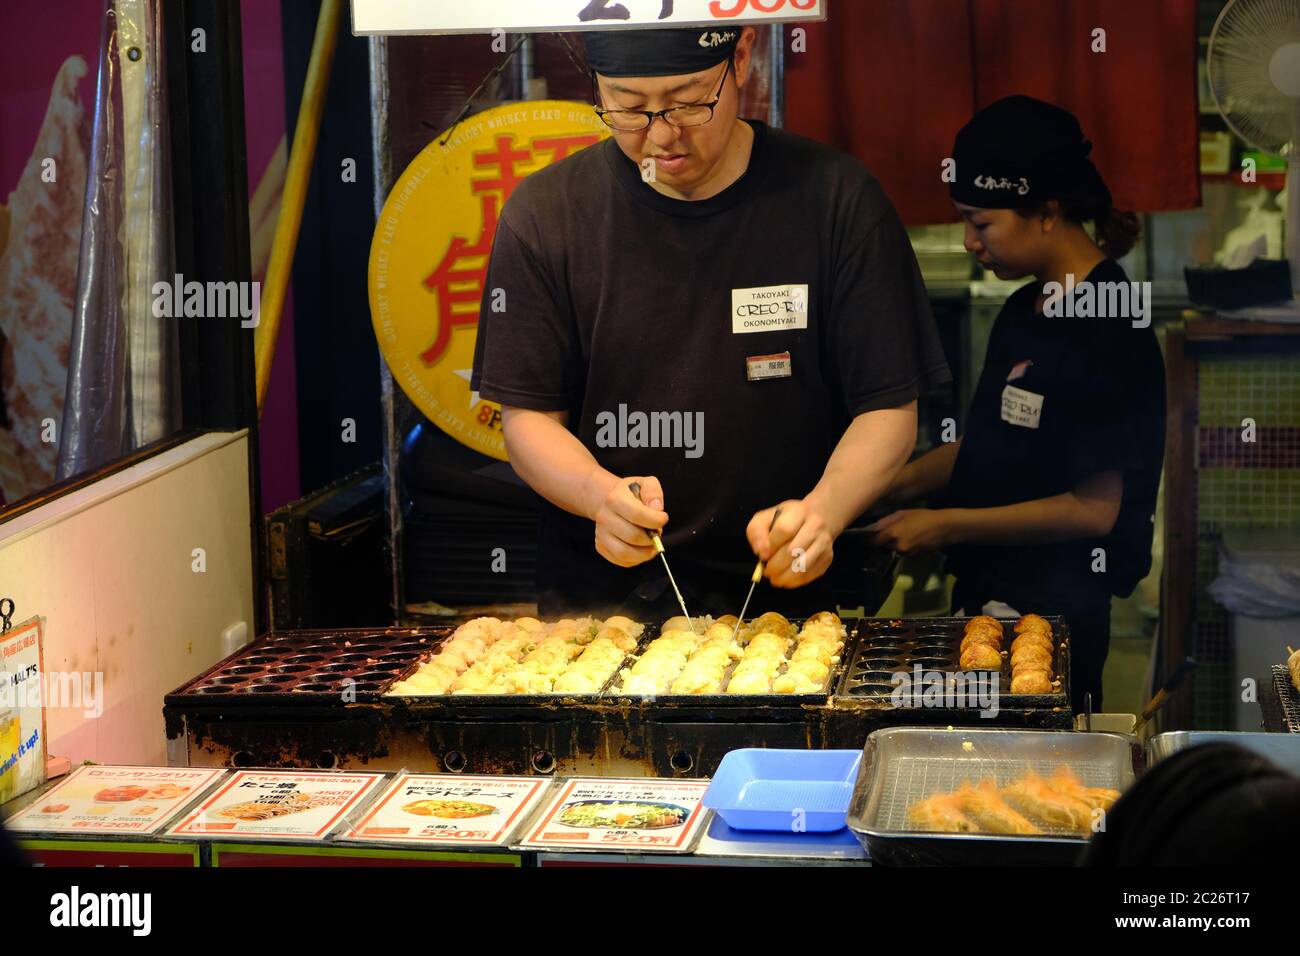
1213, 805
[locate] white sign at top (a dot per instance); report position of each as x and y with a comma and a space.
531, 16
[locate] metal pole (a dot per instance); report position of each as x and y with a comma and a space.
526, 67
383, 182
776, 79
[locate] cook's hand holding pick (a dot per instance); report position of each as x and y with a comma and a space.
622, 519
799, 547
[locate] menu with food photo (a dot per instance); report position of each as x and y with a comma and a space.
659, 816
450, 809
114, 800
271, 804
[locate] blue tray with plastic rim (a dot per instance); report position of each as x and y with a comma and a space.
784, 790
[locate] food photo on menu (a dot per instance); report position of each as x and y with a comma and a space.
659, 436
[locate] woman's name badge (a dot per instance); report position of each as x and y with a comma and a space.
759, 367
1020, 407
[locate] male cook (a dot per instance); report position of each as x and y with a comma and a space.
724, 313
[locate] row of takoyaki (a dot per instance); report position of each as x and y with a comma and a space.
1031, 651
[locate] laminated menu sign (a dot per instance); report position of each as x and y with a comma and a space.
270, 804
114, 800
590, 813
449, 809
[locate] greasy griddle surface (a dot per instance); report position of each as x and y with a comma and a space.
315, 666
885, 646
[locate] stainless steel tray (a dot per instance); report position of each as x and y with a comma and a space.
1282, 749
902, 765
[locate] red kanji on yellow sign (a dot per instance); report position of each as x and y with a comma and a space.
449, 200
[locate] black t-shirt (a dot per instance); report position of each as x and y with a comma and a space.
1102, 388
619, 301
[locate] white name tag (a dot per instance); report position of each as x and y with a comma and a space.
770, 308
1020, 407
759, 367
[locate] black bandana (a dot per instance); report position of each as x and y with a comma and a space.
1021, 151
658, 52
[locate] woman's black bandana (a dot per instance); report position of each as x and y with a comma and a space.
1021, 151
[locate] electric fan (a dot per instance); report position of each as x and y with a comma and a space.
1254, 73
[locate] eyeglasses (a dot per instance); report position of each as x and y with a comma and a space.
628, 121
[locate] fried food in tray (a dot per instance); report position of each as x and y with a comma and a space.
941, 813
1098, 798
1029, 805
1035, 798
992, 814
1293, 665
525, 656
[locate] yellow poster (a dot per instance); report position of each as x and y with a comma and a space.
22, 710
429, 256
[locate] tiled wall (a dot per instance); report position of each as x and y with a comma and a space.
1239, 484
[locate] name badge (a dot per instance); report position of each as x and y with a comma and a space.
1020, 407
770, 308
759, 367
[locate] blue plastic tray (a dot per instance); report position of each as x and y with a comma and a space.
784, 790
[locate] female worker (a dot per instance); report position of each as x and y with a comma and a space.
1047, 499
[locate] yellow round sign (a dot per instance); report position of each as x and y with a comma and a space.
428, 259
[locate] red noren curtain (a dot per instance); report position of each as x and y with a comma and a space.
891, 81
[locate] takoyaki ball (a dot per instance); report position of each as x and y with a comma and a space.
678, 623
982, 637
1036, 638
625, 624
813, 670
1031, 655
826, 617
774, 623
984, 628
1032, 682
620, 638
981, 657
1032, 622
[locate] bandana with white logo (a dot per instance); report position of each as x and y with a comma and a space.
658, 52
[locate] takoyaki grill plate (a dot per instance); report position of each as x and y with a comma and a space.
312, 666
888, 646
768, 700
